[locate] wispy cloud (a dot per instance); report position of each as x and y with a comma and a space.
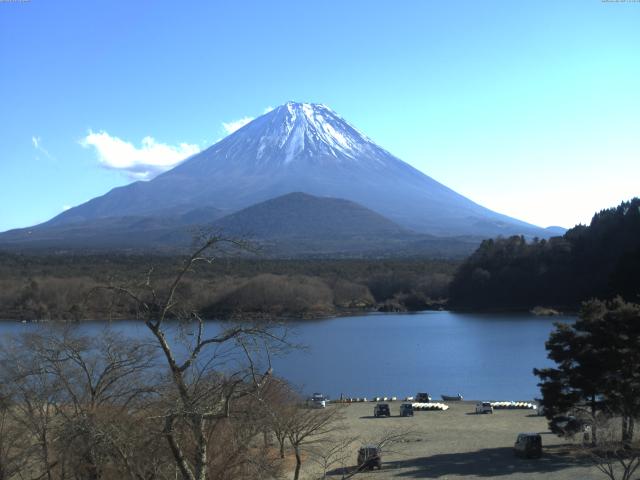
37, 144
230, 127
142, 163
235, 125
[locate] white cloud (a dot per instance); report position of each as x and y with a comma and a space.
235, 125
66, 207
37, 144
142, 163
230, 127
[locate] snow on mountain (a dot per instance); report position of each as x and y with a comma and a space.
300, 130
314, 128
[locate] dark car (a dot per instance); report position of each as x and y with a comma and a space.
423, 397
406, 410
566, 425
528, 445
369, 457
381, 410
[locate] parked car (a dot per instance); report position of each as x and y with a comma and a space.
369, 457
423, 397
484, 407
318, 400
381, 410
567, 425
452, 398
528, 445
406, 410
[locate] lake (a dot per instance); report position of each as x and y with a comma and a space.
481, 356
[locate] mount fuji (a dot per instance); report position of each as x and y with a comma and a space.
297, 147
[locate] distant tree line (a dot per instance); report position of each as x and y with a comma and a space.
601, 260
56, 287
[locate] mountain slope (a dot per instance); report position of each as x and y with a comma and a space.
302, 148
302, 225
293, 225
298, 224
299, 215
174, 229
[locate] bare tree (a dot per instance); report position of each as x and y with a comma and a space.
34, 398
615, 458
239, 453
14, 442
333, 454
74, 394
308, 427
99, 378
277, 400
184, 402
208, 372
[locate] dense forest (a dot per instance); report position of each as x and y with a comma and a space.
62, 287
600, 260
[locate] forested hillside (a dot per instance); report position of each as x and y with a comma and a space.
56, 287
600, 260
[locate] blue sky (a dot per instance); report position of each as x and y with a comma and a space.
528, 108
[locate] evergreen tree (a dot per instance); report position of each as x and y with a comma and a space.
597, 364
600, 260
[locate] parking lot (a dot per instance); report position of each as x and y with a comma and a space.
459, 444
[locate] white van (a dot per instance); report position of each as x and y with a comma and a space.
484, 407
318, 400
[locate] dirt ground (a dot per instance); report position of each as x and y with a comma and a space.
457, 444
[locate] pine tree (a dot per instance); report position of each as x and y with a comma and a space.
597, 364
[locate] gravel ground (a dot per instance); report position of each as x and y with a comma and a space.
458, 444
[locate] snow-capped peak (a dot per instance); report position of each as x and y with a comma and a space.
318, 127
301, 134
310, 130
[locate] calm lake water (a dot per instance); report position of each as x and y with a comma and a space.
481, 356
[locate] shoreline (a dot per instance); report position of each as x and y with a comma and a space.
305, 316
